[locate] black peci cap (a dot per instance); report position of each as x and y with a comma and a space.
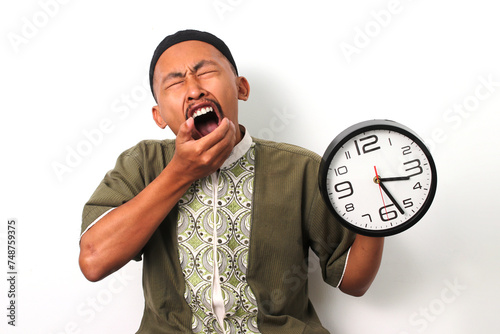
188, 35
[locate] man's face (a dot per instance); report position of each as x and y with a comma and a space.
193, 79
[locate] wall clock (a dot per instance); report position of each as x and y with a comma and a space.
378, 178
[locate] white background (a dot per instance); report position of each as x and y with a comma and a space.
74, 70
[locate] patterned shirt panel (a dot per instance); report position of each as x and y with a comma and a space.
233, 225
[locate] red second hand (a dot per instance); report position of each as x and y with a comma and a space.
380, 188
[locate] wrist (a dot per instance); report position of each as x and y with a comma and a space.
177, 174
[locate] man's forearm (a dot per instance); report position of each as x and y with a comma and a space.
122, 233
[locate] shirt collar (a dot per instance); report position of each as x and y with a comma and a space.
239, 150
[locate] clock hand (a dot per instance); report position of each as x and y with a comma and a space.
398, 178
378, 180
391, 197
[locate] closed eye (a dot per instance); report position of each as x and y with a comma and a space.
173, 84
206, 73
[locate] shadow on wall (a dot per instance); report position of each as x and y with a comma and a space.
269, 113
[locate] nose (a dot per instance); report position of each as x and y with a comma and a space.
194, 89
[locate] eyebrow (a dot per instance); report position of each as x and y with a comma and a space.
203, 63
196, 68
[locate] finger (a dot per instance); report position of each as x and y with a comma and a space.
222, 148
185, 131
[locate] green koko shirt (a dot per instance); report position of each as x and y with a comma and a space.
288, 217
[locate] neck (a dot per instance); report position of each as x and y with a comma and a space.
240, 133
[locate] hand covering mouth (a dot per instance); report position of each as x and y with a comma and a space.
206, 118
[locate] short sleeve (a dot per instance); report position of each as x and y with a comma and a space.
330, 241
118, 186
134, 170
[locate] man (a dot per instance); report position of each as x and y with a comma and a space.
222, 221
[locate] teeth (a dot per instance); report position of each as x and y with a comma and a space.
202, 111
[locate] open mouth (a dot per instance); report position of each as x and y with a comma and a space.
206, 120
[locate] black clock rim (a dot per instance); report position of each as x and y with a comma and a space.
354, 130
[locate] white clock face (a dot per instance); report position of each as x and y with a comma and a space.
379, 180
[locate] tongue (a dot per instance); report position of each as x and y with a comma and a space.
204, 128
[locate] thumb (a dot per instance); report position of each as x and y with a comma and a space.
185, 131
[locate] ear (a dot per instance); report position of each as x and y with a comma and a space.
157, 117
243, 88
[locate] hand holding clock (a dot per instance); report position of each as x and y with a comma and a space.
385, 146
